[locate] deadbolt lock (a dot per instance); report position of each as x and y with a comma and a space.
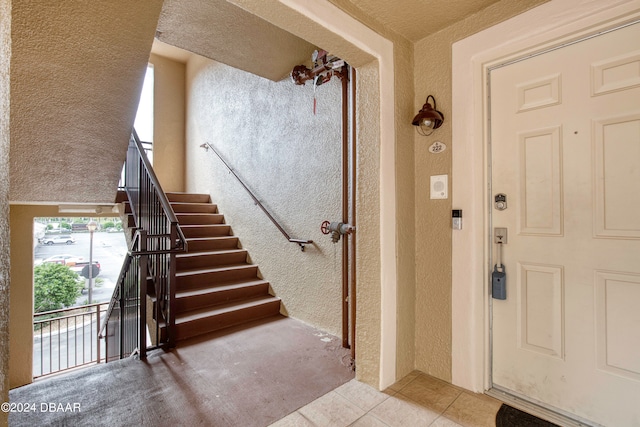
500, 201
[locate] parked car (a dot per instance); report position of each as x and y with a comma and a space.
64, 238
65, 259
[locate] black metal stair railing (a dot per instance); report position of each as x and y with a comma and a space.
150, 259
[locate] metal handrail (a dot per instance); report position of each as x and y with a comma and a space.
166, 205
301, 242
152, 254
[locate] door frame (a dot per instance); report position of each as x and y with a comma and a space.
552, 24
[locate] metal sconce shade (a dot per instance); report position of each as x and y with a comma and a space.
428, 118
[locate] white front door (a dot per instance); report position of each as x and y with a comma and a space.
565, 150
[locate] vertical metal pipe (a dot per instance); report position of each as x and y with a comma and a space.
352, 237
345, 207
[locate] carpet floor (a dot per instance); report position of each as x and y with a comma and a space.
244, 376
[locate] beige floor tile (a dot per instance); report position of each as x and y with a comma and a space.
294, 419
399, 411
404, 381
431, 392
360, 394
331, 410
369, 421
474, 410
444, 422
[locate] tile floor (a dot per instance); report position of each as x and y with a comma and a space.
416, 400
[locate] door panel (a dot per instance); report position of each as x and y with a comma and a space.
565, 147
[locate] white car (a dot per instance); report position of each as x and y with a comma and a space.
50, 240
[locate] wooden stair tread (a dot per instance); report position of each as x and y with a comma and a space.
205, 253
192, 204
210, 238
204, 225
237, 284
215, 286
197, 271
202, 313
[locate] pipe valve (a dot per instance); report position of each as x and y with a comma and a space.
336, 229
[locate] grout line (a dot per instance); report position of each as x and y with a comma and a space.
453, 401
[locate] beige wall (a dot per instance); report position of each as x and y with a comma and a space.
405, 188
5, 54
21, 301
291, 159
368, 293
433, 217
169, 119
376, 336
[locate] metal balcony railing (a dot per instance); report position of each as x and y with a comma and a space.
67, 338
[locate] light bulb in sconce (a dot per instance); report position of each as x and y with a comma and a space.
428, 118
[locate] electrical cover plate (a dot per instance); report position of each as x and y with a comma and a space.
439, 186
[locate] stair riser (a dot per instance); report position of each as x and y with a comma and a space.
200, 219
194, 208
188, 198
221, 297
225, 320
211, 231
210, 260
214, 278
213, 244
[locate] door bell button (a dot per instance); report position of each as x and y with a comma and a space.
456, 219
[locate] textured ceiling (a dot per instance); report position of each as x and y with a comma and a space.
76, 72
416, 19
226, 33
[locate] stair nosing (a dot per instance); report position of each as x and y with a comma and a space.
197, 271
203, 225
211, 238
213, 310
219, 288
205, 253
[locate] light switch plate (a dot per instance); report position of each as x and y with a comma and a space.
439, 186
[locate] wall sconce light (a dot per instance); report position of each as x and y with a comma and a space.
428, 119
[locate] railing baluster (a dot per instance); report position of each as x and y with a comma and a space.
152, 252
98, 332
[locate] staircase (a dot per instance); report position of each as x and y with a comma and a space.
216, 285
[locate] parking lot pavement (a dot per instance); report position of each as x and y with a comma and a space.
109, 249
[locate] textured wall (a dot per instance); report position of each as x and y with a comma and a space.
290, 159
169, 122
5, 55
368, 334
433, 217
76, 73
